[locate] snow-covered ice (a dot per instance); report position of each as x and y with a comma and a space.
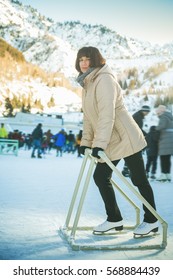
34, 200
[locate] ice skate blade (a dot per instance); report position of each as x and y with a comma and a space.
154, 230
163, 181
120, 228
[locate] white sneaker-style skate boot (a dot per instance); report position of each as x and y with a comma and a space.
168, 176
106, 226
146, 228
162, 178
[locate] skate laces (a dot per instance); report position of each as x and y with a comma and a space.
101, 225
143, 225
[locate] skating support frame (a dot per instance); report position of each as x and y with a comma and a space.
69, 232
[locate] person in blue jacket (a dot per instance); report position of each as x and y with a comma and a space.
59, 139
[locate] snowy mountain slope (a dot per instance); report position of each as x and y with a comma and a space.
65, 99
112, 44
26, 29
57, 54
53, 47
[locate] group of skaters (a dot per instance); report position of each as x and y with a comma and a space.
40, 142
159, 143
62, 142
12, 135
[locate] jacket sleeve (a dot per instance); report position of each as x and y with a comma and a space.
88, 134
163, 121
106, 95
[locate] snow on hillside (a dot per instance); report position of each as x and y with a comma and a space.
56, 53
65, 100
53, 47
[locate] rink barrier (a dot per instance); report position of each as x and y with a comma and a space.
8, 146
69, 232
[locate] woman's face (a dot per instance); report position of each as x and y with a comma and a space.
84, 63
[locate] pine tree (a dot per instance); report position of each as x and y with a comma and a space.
9, 108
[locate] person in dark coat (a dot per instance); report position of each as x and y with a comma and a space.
139, 119
140, 115
71, 141
78, 142
165, 127
37, 136
152, 139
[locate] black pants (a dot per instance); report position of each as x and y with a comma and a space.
102, 176
165, 162
151, 163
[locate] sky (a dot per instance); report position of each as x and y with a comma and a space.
149, 20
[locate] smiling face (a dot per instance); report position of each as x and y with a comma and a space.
84, 63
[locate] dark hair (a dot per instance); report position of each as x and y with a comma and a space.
93, 53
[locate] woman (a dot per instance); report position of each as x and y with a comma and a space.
108, 127
165, 127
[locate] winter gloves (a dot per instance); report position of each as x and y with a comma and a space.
83, 148
95, 151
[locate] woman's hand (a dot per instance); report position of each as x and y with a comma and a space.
95, 152
83, 148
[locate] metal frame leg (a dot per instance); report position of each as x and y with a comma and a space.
75, 193
139, 196
69, 232
85, 188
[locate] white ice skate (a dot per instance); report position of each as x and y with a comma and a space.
162, 178
106, 226
145, 228
168, 176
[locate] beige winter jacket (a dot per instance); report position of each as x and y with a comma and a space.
107, 123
